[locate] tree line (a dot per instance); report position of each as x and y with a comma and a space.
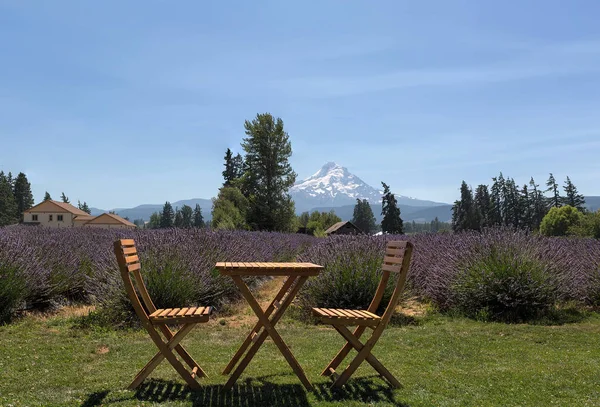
186, 217
15, 198
504, 203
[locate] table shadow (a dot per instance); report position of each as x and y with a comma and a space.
259, 391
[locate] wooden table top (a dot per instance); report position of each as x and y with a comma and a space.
269, 269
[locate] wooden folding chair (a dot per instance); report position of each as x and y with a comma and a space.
153, 318
396, 260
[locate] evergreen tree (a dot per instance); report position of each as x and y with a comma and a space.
166, 218
11, 180
47, 197
268, 174
229, 173
64, 198
187, 214
555, 200
436, 225
464, 213
303, 219
8, 206
391, 222
178, 223
573, 198
511, 203
22, 194
238, 166
495, 214
483, 206
537, 204
526, 209
84, 207
198, 219
363, 217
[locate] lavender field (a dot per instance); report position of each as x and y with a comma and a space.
42, 268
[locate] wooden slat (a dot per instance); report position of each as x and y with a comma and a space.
337, 313
207, 311
356, 314
199, 311
397, 245
346, 313
134, 267
127, 242
395, 260
182, 312
191, 311
389, 267
155, 313
132, 259
173, 312
129, 250
394, 252
165, 312
194, 372
370, 314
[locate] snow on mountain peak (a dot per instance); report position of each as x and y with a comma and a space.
333, 184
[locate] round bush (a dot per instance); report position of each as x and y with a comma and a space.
504, 284
558, 221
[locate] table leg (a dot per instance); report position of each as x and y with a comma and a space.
269, 330
286, 286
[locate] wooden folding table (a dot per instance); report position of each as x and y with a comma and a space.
297, 274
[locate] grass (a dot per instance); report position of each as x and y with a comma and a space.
441, 361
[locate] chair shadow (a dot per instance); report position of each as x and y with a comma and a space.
256, 392
368, 389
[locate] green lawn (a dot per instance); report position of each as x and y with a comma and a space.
441, 362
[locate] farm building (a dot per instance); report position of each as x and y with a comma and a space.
56, 214
343, 228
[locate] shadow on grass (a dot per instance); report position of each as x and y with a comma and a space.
254, 392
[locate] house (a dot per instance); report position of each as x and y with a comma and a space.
343, 228
63, 215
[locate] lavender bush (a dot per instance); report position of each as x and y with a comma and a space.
557, 269
78, 265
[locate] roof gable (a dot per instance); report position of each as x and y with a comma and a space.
110, 219
55, 206
339, 225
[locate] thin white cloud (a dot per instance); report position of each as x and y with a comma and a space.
540, 61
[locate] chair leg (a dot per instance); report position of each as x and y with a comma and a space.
166, 351
182, 352
370, 358
339, 358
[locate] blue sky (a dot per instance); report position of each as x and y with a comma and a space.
123, 103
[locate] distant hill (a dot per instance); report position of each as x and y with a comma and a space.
592, 203
146, 210
407, 212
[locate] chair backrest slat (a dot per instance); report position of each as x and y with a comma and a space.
129, 264
399, 262
395, 252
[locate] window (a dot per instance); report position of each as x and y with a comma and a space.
59, 218
34, 218
50, 218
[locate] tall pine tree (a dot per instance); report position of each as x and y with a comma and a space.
178, 222
555, 200
8, 206
495, 214
229, 174
464, 213
483, 206
573, 198
268, 174
537, 203
363, 217
22, 194
198, 218
391, 222
166, 218
47, 197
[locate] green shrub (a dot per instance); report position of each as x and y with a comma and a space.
558, 221
504, 284
13, 291
588, 226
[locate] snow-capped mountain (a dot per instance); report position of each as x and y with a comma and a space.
333, 185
